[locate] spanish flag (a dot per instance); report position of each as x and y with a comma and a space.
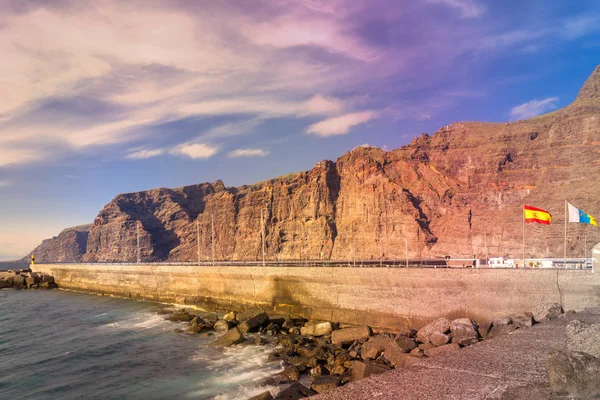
537, 215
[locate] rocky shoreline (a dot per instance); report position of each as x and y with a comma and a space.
328, 354
26, 279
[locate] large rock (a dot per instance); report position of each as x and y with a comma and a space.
371, 349
546, 311
439, 339
361, 370
464, 331
262, 396
315, 328
397, 357
448, 348
524, 320
254, 322
574, 373
405, 343
294, 392
501, 330
441, 325
231, 337
583, 337
325, 383
349, 335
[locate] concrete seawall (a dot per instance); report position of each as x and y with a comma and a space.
380, 297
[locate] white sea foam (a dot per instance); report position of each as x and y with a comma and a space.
237, 372
139, 322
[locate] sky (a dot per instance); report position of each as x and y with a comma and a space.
107, 97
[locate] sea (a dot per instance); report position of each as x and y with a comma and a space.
65, 345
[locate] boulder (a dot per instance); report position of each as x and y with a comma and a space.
501, 320
314, 328
362, 370
196, 326
441, 325
324, 383
452, 347
501, 330
262, 396
47, 278
181, 315
522, 320
546, 311
439, 339
290, 374
294, 392
349, 335
223, 325
19, 282
406, 343
397, 356
254, 322
231, 337
416, 352
574, 373
230, 316
371, 349
583, 337
464, 331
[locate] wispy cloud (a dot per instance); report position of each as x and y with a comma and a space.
195, 150
140, 154
4, 183
248, 153
534, 108
342, 124
467, 8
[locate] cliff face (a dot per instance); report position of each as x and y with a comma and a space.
458, 192
68, 246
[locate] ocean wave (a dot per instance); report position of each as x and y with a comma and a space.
142, 321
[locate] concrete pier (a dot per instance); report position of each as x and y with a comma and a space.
380, 297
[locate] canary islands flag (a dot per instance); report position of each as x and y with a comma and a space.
536, 215
577, 215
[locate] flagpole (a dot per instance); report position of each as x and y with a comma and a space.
523, 212
565, 245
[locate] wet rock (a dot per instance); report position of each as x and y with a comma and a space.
233, 336
439, 339
583, 337
196, 326
289, 324
546, 311
223, 325
452, 347
230, 317
278, 319
464, 331
314, 328
254, 322
324, 383
574, 373
441, 325
262, 396
259, 341
294, 392
522, 320
349, 335
181, 315
361, 370
290, 374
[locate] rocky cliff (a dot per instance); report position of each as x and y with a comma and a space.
457, 192
68, 246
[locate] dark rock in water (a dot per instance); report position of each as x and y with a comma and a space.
441, 325
263, 396
254, 322
223, 325
574, 373
349, 335
196, 326
546, 311
464, 331
501, 330
361, 370
259, 341
295, 392
180, 316
233, 336
522, 320
290, 374
324, 383
583, 337
452, 347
